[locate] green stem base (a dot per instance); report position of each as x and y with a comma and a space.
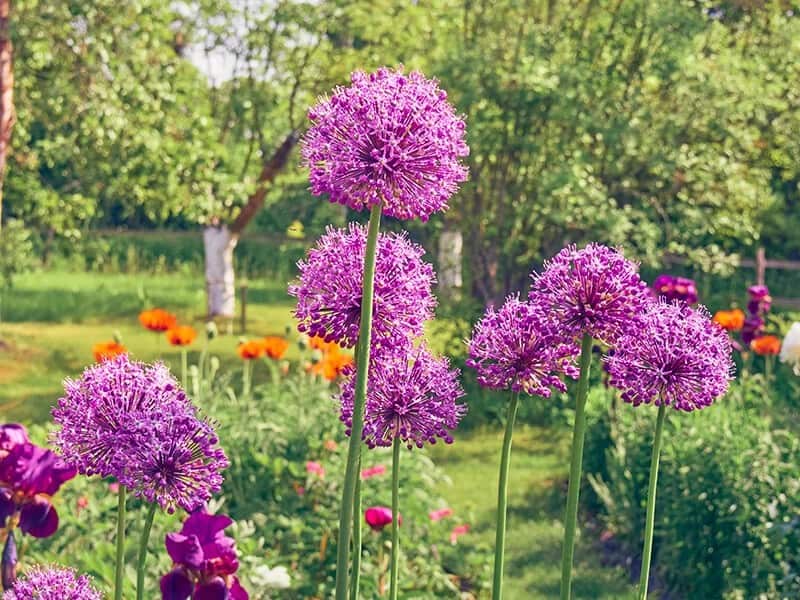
395, 568
647, 550
502, 499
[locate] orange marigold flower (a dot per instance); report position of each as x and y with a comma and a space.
331, 365
275, 347
766, 345
105, 350
181, 335
251, 349
157, 319
732, 320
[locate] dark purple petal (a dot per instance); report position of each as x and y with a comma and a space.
184, 550
176, 585
11, 435
38, 518
205, 526
215, 589
33, 470
7, 506
237, 591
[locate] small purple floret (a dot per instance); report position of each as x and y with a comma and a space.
53, 583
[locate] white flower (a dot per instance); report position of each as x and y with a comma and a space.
790, 349
277, 578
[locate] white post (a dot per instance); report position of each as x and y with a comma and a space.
218, 244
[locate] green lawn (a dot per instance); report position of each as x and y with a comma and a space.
51, 321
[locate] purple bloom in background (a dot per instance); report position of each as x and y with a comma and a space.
412, 398
330, 286
29, 476
205, 561
758, 306
53, 583
11, 434
675, 355
171, 457
94, 413
676, 288
594, 291
387, 137
514, 348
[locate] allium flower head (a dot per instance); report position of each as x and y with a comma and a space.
412, 398
514, 348
676, 288
94, 413
675, 355
171, 457
594, 291
387, 137
53, 583
330, 285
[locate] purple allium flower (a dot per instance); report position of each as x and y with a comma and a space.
95, 410
675, 355
594, 290
387, 137
411, 396
676, 288
29, 477
205, 561
514, 348
329, 288
172, 458
53, 583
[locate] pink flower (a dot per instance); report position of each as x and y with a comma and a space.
442, 513
315, 468
83, 502
378, 517
330, 445
371, 472
457, 532
113, 488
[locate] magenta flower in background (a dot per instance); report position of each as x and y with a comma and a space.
758, 306
594, 291
514, 348
675, 356
330, 286
387, 137
29, 477
676, 288
442, 513
171, 457
378, 517
315, 468
53, 583
458, 531
410, 398
11, 434
94, 413
371, 472
205, 561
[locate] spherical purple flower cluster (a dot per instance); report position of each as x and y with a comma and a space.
675, 288
675, 356
388, 137
53, 583
594, 291
515, 348
329, 289
411, 396
132, 421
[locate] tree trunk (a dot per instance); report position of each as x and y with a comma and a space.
218, 244
451, 244
6, 93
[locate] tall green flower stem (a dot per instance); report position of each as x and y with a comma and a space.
247, 373
647, 551
502, 500
184, 368
576, 463
395, 566
120, 563
148, 525
354, 448
356, 579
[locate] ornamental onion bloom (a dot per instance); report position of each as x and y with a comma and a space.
674, 356
181, 335
205, 561
378, 517
94, 413
171, 457
53, 583
730, 320
410, 398
790, 349
105, 350
29, 477
157, 319
594, 291
514, 348
766, 345
387, 137
329, 288
676, 288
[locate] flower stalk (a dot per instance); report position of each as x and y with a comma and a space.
647, 550
502, 499
576, 463
395, 567
140, 571
120, 557
356, 581
184, 368
362, 366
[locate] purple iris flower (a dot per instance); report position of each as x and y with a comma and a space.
29, 476
205, 561
11, 434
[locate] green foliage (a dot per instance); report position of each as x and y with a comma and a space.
16, 251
